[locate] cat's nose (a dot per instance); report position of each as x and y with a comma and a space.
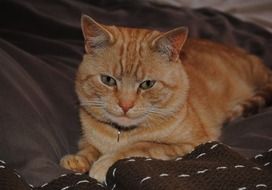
126, 105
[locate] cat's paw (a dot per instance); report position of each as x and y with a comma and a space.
236, 112
101, 166
76, 163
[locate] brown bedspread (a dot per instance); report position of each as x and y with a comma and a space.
210, 166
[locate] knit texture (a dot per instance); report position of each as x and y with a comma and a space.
210, 166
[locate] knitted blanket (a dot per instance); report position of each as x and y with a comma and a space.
210, 166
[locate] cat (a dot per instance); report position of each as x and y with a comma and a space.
145, 93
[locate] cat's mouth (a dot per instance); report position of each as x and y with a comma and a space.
123, 122
120, 127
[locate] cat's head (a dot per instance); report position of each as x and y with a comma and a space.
131, 77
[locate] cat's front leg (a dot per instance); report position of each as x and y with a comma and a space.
141, 149
82, 160
100, 168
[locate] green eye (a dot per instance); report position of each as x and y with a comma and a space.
107, 80
147, 84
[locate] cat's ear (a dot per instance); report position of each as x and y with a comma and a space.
95, 35
171, 42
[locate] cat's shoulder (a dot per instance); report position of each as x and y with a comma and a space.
209, 46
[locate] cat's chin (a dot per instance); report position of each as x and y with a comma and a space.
125, 122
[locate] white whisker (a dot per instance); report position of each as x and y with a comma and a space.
163, 112
93, 103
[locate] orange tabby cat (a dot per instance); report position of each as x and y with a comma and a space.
152, 94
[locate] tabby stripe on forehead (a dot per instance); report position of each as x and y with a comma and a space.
130, 51
124, 52
146, 34
129, 55
140, 40
134, 55
122, 47
121, 52
141, 37
139, 76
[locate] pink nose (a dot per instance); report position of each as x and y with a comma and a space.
126, 105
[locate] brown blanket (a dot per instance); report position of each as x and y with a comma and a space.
209, 166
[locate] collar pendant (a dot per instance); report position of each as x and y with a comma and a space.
118, 135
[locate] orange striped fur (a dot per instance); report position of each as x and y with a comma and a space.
198, 86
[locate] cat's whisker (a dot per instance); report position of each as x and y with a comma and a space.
94, 105
156, 116
90, 104
164, 112
139, 109
95, 102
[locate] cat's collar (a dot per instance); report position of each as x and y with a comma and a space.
121, 129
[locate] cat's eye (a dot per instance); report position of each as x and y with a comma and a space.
108, 80
147, 84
